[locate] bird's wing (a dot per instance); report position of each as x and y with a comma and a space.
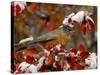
48, 36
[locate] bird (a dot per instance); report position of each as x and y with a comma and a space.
62, 33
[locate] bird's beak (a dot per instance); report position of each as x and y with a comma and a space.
69, 27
